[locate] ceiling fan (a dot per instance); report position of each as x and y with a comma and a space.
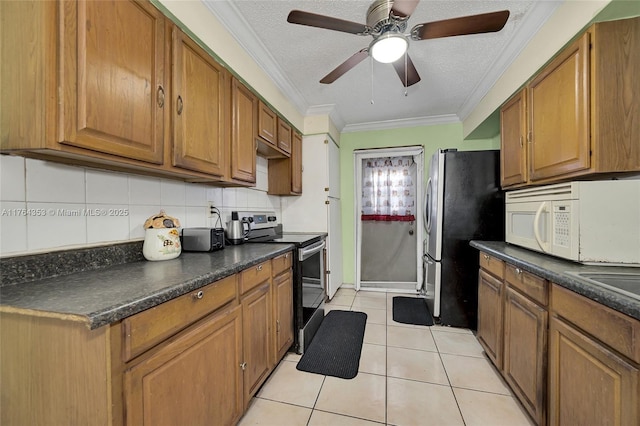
386, 23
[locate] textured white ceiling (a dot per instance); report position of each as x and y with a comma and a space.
456, 72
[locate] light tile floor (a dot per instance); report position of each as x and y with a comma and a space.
409, 375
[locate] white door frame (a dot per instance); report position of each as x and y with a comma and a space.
418, 153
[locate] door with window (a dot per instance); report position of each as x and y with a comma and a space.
389, 224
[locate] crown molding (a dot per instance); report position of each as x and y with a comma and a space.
533, 20
231, 18
331, 111
404, 122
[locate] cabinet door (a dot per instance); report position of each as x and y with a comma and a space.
256, 327
559, 114
525, 352
267, 124
244, 110
199, 105
192, 380
296, 163
113, 91
589, 383
283, 311
284, 136
490, 321
513, 146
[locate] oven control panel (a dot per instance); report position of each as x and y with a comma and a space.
259, 220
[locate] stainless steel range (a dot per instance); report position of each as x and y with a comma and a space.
309, 272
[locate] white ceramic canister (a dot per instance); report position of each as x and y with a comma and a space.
161, 244
161, 238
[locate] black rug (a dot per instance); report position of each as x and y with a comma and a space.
411, 310
335, 349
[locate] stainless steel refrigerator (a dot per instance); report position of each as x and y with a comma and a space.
463, 202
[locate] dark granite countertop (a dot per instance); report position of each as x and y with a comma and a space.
559, 271
104, 296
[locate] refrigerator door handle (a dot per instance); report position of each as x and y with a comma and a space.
426, 212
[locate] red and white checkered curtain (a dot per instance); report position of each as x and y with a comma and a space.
388, 191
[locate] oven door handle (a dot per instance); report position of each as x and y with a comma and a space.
306, 252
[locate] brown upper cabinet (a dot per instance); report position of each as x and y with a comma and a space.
109, 100
199, 107
284, 136
296, 163
124, 88
267, 124
513, 133
285, 174
580, 111
112, 102
244, 123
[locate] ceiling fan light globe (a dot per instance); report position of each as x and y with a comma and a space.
389, 48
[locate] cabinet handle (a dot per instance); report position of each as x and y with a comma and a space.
277, 326
286, 256
518, 271
243, 366
521, 141
259, 268
486, 256
179, 104
160, 96
199, 295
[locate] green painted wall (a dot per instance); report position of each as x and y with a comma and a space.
430, 137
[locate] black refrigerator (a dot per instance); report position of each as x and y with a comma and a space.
463, 202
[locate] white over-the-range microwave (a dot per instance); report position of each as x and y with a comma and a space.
592, 222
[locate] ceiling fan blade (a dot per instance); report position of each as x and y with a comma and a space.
404, 8
474, 24
411, 77
327, 22
345, 66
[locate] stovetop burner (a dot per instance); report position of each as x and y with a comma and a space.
265, 229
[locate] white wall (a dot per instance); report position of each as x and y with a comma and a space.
34, 194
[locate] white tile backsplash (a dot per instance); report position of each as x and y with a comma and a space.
107, 223
67, 199
106, 187
13, 227
52, 182
196, 195
63, 224
12, 170
144, 190
137, 216
172, 192
214, 195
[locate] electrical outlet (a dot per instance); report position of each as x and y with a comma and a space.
211, 212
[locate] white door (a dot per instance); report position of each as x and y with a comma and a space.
334, 248
376, 252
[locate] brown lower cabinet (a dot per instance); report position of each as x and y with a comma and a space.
594, 363
525, 345
192, 380
257, 327
568, 359
194, 360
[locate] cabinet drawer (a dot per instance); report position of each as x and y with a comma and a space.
148, 328
281, 263
533, 286
251, 277
492, 265
619, 331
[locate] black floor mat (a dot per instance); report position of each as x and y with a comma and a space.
335, 349
411, 310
